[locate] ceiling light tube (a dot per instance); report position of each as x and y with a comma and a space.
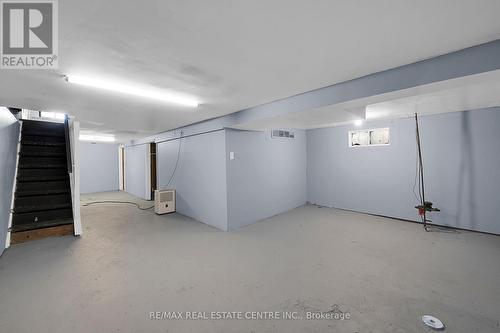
131, 90
97, 138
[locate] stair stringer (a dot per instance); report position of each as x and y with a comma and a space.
74, 175
14, 186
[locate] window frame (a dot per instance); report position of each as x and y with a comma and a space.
368, 130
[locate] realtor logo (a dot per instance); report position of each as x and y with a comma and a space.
29, 34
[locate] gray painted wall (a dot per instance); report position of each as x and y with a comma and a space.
462, 163
477, 59
200, 178
9, 136
267, 176
137, 171
98, 167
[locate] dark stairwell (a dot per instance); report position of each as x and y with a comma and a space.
42, 202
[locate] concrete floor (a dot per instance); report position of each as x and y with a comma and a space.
128, 263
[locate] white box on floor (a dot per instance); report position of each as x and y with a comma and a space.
164, 201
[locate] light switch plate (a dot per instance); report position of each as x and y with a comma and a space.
231, 155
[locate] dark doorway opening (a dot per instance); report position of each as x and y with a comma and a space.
152, 153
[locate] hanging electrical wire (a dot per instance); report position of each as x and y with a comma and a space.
176, 162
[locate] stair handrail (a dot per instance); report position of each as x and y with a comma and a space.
68, 144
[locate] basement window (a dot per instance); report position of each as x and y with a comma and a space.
369, 137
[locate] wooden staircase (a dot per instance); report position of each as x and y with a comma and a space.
42, 200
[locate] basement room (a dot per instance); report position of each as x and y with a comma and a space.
278, 166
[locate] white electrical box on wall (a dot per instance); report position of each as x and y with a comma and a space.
164, 201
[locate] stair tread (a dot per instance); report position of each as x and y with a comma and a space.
32, 193
43, 184
30, 208
41, 188
40, 225
41, 203
43, 128
36, 140
42, 151
35, 122
42, 154
42, 162
36, 175
41, 216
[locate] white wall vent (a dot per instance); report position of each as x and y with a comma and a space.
282, 134
164, 201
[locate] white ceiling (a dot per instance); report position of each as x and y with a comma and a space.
465, 93
233, 54
467, 97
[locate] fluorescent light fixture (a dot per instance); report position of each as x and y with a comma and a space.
358, 122
97, 138
132, 90
53, 115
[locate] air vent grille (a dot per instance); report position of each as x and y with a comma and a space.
282, 134
166, 196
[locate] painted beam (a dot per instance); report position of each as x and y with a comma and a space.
474, 60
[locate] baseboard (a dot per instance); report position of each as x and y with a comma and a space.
412, 221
